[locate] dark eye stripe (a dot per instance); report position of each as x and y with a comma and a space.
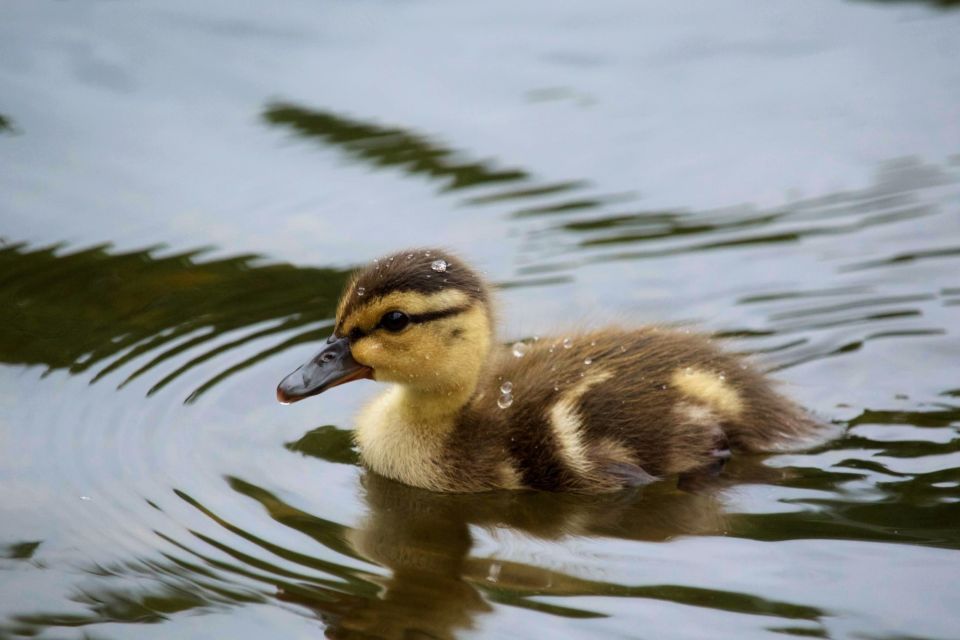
417, 318
437, 315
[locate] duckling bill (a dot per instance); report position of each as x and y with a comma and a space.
592, 412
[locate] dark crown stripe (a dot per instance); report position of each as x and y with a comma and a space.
417, 271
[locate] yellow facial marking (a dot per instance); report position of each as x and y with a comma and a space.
710, 389
567, 424
427, 357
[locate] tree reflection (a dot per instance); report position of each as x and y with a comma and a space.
389, 146
6, 124
97, 310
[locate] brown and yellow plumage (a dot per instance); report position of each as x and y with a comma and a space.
591, 412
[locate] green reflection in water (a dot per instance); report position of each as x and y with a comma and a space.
918, 507
327, 443
97, 310
6, 125
138, 592
895, 196
388, 146
900, 258
417, 154
529, 192
20, 550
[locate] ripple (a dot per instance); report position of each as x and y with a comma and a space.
138, 309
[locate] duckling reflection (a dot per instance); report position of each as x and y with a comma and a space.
436, 588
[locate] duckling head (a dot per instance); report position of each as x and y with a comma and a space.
419, 318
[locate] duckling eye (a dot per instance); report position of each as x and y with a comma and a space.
394, 321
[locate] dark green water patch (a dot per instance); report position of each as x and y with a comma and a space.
384, 146
98, 310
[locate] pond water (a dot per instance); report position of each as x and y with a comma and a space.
184, 188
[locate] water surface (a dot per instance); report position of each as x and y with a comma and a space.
185, 189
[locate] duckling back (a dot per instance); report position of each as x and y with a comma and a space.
599, 411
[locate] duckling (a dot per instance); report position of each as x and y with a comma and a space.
591, 412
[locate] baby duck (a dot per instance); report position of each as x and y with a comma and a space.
592, 412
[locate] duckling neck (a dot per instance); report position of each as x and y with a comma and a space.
402, 433
426, 407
